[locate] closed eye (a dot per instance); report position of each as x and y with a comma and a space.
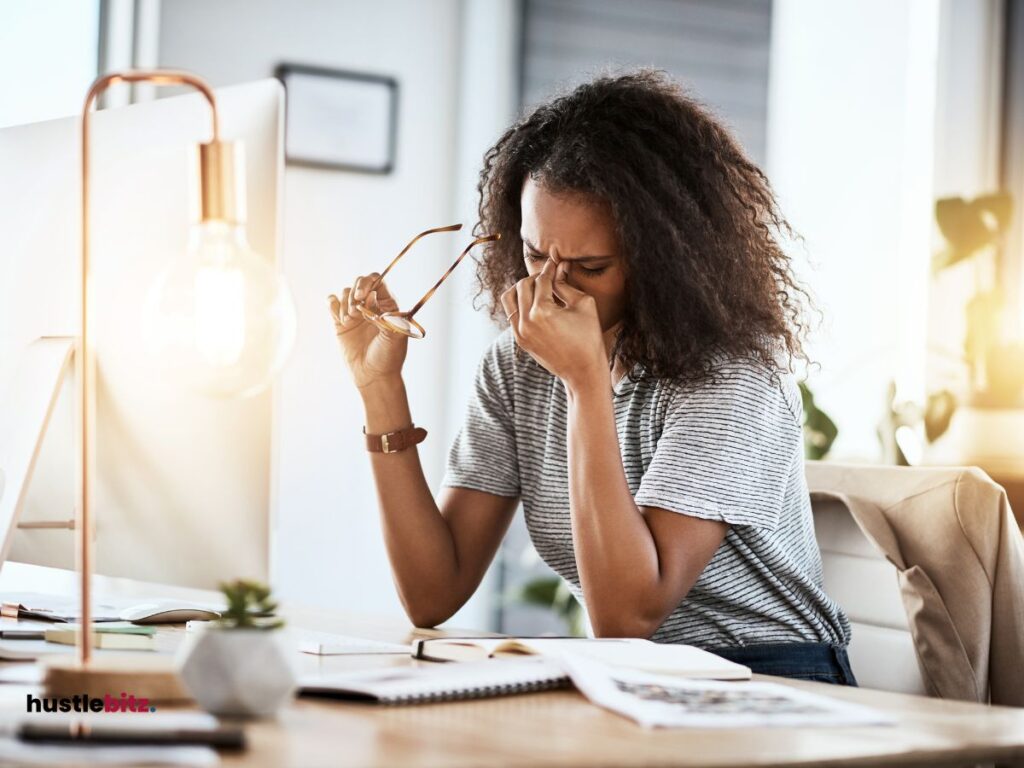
534, 257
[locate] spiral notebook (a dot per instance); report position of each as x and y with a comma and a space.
443, 682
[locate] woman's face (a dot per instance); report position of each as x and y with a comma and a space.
578, 230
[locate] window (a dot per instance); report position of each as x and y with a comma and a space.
48, 57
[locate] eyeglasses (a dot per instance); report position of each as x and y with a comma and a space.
403, 322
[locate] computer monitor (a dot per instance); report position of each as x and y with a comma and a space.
183, 483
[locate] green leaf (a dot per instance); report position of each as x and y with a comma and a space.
248, 605
969, 226
554, 594
1000, 205
938, 413
540, 592
806, 396
819, 429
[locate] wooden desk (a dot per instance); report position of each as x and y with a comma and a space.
560, 728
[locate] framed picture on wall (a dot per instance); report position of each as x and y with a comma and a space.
339, 120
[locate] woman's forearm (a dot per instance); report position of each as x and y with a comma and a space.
418, 540
616, 555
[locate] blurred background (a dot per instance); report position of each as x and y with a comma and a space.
890, 129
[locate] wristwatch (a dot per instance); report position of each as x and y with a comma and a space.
393, 442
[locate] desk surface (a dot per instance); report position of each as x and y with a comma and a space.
560, 728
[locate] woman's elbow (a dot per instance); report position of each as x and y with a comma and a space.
429, 602
425, 618
425, 612
624, 624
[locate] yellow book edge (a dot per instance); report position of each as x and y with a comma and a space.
103, 640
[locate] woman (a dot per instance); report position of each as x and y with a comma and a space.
640, 405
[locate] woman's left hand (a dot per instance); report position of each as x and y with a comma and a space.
567, 339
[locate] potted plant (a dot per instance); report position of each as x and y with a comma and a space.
240, 664
552, 592
974, 231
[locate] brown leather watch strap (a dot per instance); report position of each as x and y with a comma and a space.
393, 442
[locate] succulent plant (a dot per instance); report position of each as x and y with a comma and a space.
249, 606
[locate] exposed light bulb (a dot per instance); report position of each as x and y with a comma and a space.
219, 332
221, 319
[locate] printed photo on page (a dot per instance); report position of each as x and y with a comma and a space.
673, 702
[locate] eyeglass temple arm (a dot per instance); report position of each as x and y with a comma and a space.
449, 228
428, 294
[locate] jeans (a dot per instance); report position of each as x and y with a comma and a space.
820, 662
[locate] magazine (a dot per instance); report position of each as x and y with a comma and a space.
674, 702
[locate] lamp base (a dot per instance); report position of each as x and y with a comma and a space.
155, 678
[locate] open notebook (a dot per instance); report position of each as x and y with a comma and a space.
631, 653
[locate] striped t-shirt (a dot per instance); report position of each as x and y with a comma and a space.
728, 449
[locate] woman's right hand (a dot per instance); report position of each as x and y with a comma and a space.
374, 356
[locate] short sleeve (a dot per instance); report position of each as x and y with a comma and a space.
728, 448
483, 456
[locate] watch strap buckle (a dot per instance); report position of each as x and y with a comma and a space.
396, 441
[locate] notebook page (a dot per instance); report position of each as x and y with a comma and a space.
644, 655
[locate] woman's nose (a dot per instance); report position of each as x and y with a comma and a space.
568, 272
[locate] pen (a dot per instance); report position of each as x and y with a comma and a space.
221, 737
22, 634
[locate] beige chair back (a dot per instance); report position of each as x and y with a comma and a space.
866, 585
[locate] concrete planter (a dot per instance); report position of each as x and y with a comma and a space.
239, 672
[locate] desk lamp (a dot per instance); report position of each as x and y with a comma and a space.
221, 316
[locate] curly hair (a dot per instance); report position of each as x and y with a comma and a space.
696, 220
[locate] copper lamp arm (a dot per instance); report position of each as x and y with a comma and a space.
83, 363
156, 77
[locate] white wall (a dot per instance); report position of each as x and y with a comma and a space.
850, 153
337, 225
488, 102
